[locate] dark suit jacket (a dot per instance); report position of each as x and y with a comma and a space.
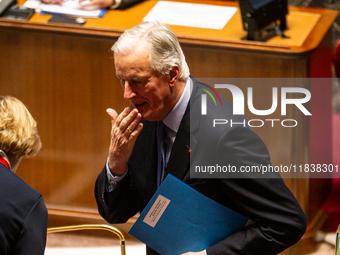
23, 217
278, 219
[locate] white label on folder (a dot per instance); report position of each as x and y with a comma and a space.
156, 211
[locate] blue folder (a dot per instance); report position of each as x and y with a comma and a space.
179, 219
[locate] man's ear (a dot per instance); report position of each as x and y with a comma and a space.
174, 75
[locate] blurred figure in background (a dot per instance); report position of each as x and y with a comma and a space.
98, 4
23, 213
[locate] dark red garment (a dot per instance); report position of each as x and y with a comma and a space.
5, 163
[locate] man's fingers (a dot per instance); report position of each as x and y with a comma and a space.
117, 119
128, 123
136, 132
113, 114
122, 116
136, 117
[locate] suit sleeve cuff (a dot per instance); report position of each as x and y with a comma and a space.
112, 181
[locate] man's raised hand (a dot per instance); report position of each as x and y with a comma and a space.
124, 132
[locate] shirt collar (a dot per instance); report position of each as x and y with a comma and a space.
174, 117
4, 156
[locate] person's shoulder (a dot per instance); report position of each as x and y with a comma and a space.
12, 186
18, 203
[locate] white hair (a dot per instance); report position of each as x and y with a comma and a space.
165, 50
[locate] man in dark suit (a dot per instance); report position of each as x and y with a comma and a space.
155, 79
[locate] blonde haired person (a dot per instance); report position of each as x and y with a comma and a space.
23, 213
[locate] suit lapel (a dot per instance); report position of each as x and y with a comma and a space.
145, 158
179, 161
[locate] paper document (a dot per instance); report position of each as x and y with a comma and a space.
69, 7
179, 219
191, 15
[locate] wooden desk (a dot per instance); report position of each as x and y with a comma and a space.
65, 75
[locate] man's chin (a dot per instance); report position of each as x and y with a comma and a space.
142, 111
147, 113
146, 117
149, 117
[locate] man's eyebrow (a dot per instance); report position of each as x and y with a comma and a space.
138, 78
134, 78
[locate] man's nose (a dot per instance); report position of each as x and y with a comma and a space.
128, 92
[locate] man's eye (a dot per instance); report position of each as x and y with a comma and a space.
136, 82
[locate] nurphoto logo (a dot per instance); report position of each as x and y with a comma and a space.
238, 98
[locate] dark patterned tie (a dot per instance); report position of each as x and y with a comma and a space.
161, 149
